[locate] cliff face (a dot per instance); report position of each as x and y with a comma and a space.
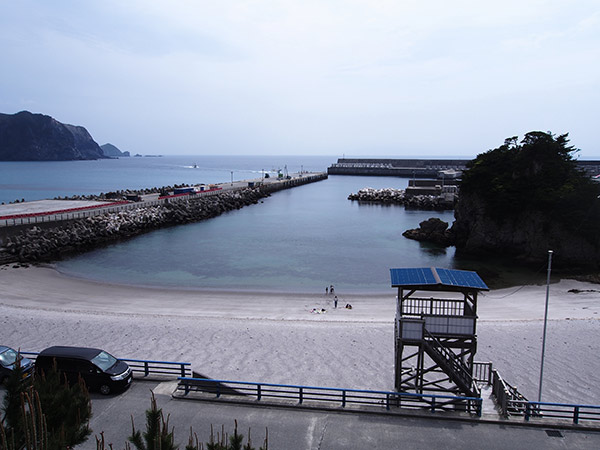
36, 137
526, 236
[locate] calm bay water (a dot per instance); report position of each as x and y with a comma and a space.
301, 239
298, 240
49, 179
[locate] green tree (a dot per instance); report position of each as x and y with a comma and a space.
15, 385
225, 442
31, 432
537, 174
68, 409
157, 435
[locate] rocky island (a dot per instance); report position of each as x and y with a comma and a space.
521, 200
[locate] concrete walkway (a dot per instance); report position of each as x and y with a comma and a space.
292, 428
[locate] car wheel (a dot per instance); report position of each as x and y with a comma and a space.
104, 389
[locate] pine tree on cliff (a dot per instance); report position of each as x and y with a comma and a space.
524, 198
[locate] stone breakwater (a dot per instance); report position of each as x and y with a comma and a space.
52, 241
389, 196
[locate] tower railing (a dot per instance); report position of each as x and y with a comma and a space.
434, 306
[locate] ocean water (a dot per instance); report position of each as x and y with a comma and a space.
297, 240
49, 179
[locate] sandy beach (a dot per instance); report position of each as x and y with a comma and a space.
278, 338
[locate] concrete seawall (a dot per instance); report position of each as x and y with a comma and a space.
418, 168
50, 240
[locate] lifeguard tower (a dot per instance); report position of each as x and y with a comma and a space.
435, 330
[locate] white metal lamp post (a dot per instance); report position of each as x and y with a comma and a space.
545, 324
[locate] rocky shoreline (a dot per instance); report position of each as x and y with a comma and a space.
389, 196
47, 243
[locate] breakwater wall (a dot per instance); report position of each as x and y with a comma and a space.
47, 241
418, 168
389, 196
415, 168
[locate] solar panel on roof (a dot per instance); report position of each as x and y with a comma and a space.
462, 278
416, 276
436, 276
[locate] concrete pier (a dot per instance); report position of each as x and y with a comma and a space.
41, 211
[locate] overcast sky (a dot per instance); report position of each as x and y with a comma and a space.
361, 78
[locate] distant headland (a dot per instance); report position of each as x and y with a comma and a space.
25, 136
113, 152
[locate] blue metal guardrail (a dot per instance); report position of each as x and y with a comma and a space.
147, 367
546, 410
344, 397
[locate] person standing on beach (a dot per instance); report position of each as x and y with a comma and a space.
326, 290
331, 289
335, 302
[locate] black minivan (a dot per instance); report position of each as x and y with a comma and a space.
99, 369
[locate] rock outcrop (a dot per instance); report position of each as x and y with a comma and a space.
432, 230
527, 237
525, 198
36, 137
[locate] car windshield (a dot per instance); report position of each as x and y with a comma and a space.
104, 360
8, 357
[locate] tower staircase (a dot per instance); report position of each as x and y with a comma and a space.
451, 364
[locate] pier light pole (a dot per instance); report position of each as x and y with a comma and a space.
545, 323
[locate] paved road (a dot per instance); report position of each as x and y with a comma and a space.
292, 429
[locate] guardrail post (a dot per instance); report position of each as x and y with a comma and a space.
432, 404
300, 395
146, 369
186, 385
182, 369
479, 407
387, 401
218, 390
343, 399
258, 392
527, 411
576, 415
